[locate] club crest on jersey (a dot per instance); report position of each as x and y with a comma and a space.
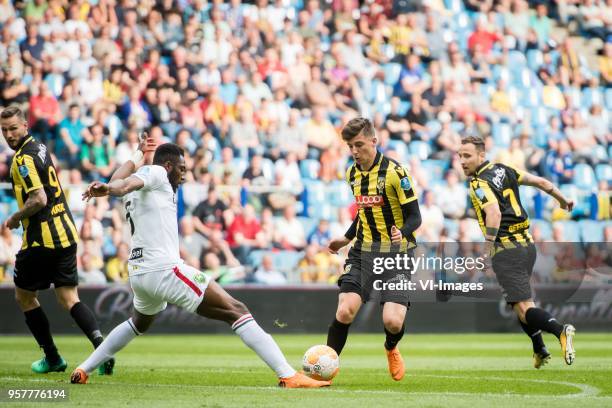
498, 180
347, 268
366, 201
405, 183
23, 170
380, 185
200, 278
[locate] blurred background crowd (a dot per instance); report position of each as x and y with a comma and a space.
256, 92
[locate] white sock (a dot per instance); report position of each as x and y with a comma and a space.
263, 344
115, 341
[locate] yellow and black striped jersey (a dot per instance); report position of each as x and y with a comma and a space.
379, 193
51, 227
498, 184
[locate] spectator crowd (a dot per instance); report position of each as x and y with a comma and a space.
256, 93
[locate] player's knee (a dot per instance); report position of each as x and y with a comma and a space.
67, 302
238, 309
345, 314
26, 302
393, 324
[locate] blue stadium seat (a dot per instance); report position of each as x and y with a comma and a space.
591, 231
309, 223
599, 154
316, 191
309, 169
534, 59
544, 226
392, 72
240, 165
603, 172
571, 231
340, 194
401, 148
502, 134
436, 168
256, 255
584, 177
420, 149
609, 98
286, 260
267, 167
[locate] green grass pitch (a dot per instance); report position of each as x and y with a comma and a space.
443, 370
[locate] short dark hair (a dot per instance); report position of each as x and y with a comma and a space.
356, 126
167, 152
476, 141
11, 111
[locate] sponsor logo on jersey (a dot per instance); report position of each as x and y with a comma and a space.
498, 180
364, 201
135, 254
42, 152
405, 183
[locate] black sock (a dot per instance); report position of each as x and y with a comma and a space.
337, 334
39, 326
541, 319
535, 335
393, 339
86, 320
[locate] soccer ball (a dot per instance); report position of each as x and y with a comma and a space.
321, 363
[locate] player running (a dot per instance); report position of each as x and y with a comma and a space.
387, 217
159, 276
48, 252
494, 190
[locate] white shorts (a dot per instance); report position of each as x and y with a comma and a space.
181, 285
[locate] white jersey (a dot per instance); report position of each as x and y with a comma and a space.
151, 215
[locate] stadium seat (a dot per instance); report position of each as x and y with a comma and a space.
591, 231
256, 255
502, 134
401, 148
600, 154
316, 191
571, 231
309, 224
609, 98
267, 167
420, 149
309, 169
240, 165
392, 72
340, 194
544, 226
534, 59
603, 172
584, 177
435, 168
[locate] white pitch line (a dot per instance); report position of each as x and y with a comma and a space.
586, 390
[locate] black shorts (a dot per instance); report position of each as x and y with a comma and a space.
513, 268
36, 268
359, 277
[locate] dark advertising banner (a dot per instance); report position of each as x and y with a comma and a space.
310, 310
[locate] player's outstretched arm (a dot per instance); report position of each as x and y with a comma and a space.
549, 188
117, 188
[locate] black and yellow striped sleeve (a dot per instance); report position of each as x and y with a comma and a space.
483, 193
403, 185
27, 174
518, 173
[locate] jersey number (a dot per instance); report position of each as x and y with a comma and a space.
53, 182
128, 217
509, 193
